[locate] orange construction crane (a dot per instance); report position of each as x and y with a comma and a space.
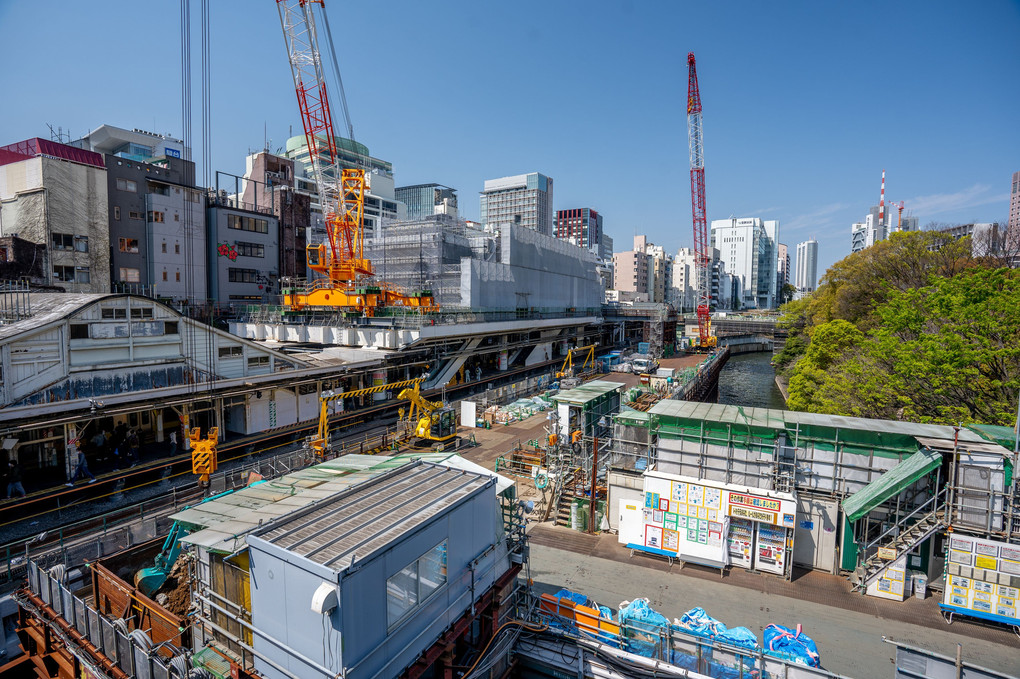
347, 278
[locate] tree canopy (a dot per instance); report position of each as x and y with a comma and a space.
912, 328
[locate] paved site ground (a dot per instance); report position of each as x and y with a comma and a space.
847, 626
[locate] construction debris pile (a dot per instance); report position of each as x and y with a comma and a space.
519, 410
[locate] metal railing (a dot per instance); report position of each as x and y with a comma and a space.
929, 506
673, 645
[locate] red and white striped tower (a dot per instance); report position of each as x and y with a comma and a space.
881, 203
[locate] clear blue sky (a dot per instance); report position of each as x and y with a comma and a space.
805, 102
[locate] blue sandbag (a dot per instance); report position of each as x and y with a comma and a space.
578, 599
639, 610
797, 646
643, 627
701, 623
606, 612
739, 636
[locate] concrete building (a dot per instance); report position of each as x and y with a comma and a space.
868, 232
807, 266
133, 144
724, 288
749, 247
425, 200
380, 203
988, 240
243, 255
631, 272
525, 200
157, 228
644, 274
270, 187
583, 227
783, 271
1014, 204
56, 195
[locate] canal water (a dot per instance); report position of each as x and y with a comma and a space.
750, 380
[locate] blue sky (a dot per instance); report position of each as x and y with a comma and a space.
805, 102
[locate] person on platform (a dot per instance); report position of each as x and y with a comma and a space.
14, 479
81, 470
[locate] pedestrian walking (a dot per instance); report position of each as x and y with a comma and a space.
133, 444
81, 470
14, 479
99, 440
173, 442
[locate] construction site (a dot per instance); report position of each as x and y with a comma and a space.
442, 455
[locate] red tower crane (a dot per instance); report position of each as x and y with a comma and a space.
346, 281
705, 338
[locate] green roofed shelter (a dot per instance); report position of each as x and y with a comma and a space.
891, 483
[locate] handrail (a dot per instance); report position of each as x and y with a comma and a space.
896, 525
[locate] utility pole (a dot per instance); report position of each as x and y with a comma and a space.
594, 480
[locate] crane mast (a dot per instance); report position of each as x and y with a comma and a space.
345, 283
698, 204
341, 191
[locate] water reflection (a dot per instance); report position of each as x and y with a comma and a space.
750, 380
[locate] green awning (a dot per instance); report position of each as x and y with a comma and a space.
889, 484
1004, 436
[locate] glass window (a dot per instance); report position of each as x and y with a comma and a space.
128, 275
402, 593
81, 243
116, 211
62, 241
81, 274
155, 216
258, 361
415, 583
64, 274
128, 245
127, 185
135, 215
227, 352
79, 331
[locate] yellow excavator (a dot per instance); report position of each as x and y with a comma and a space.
435, 422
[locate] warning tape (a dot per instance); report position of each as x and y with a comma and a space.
328, 396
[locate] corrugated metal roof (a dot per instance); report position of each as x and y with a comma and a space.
789, 419
365, 519
220, 524
587, 392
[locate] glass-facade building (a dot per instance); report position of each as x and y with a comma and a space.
524, 199
424, 200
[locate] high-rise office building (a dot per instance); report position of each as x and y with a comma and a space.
724, 288
1014, 207
583, 227
523, 199
749, 247
425, 200
783, 272
807, 266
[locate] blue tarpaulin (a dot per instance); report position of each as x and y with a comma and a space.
791, 644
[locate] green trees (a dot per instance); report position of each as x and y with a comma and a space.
912, 328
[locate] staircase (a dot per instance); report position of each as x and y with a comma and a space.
873, 566
563, 510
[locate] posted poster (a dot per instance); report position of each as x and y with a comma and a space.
653, 537
679, 492
671, 540
694, 494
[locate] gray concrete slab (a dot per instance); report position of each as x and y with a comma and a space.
849, 641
